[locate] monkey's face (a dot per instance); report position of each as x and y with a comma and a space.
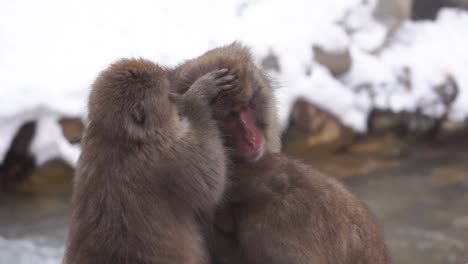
244, 120
244, 134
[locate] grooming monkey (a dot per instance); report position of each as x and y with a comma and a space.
278, 210
151, 162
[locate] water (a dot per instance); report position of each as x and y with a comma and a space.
29, 250
422, 205
34, 217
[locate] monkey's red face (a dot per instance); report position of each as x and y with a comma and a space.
244, 135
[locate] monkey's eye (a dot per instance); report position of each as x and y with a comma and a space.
261, 124
232, 115
252, 103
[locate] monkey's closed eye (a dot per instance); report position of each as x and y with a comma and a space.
262, 124
232, 115
138, 114
252, 104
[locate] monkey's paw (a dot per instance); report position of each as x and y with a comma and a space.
210, 85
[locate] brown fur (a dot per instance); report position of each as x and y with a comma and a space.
285, 212
151, 163
288, 213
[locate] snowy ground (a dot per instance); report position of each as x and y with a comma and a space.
52, 50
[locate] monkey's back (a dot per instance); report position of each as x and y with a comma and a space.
311, 217
123, 210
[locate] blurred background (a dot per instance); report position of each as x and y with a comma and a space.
373, 92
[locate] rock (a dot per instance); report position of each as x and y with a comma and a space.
313, 127
460, 3
417, 124
72, 129
337, 63
402, 124
271, 62
392, 13
18, 162
453, 127
428, 9
447, 91
421, 126
53, 177
382, 121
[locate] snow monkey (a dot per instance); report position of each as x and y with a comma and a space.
277, 210
151, 162
286, 212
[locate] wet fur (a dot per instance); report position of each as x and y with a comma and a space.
151, 164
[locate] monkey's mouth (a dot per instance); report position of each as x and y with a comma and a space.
249, 149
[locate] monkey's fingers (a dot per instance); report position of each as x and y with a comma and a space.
226, 87
226, 79
221, 90
220, 73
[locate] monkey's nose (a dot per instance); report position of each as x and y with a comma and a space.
248, 135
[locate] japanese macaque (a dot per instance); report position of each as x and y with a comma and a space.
277, 210
286, 212
151, 162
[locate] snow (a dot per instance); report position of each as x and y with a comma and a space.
51, 51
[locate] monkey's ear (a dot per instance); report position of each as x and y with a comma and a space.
137, 114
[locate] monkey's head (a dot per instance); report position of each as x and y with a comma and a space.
130, 100
247, 115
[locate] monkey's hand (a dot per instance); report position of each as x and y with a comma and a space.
208, 87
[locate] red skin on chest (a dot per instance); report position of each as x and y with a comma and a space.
224, 220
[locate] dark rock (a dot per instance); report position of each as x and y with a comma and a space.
447, 91
337, 63
404, 78
18, 162
313, 127
403, 124
428, 9
382, 121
